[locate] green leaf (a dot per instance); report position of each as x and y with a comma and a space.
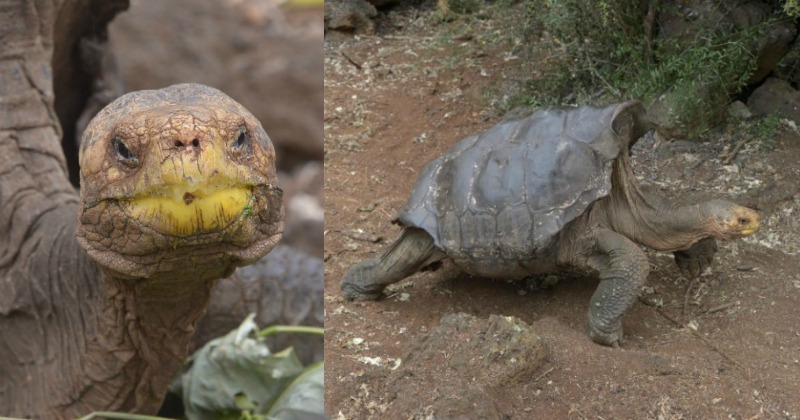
234, 373
303, 398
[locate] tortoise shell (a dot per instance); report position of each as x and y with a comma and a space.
496, 201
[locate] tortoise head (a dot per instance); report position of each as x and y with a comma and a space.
727, 220
177, 181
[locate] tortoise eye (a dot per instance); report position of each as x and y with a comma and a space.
744, 220
242, 146
242, 141
124, 154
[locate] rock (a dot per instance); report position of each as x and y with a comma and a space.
303, 203
739, 110
350, 16
684, 19
772, 47
457, 369
663, 112
789, 66
775, 96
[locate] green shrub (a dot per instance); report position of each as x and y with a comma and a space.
766, 130
600, 53
465, 6
792, 8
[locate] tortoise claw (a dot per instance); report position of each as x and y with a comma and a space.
608, 335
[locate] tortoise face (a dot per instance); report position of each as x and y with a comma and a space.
731, 221
178, 178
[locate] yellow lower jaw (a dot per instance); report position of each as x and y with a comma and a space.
190, 213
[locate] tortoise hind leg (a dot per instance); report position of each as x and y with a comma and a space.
411, 252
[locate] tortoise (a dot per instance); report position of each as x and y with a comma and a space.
101, 290
541, 193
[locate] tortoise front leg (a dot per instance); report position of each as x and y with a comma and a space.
623, 271
411, 252
693, 261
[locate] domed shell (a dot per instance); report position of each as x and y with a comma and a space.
496, 200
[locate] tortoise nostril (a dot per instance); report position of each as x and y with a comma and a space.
195, 143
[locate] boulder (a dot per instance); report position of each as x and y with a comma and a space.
775, 96
353, 16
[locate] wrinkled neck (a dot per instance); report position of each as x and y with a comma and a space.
650, 220
74, 340
140, 337
152, 323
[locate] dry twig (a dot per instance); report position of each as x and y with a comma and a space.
705, 340
720, 307
360, 235
692, 283
350, 59
728, 159
543, 374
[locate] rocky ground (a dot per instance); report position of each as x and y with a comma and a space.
447, 344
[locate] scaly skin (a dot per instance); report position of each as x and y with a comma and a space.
99, 315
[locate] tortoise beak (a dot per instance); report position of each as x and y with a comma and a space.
191, 191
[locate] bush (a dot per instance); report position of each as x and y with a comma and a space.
601, 53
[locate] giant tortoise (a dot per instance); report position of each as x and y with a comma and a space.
101, 290
537, 194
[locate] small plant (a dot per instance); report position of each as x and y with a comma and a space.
460, 6
766, 130
792, 8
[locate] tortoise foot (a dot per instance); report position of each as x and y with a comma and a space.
693, 261
359, 283
607, 334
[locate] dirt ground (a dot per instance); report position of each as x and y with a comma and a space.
394, 101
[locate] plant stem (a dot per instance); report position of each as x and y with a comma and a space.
120, 416
276, 329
